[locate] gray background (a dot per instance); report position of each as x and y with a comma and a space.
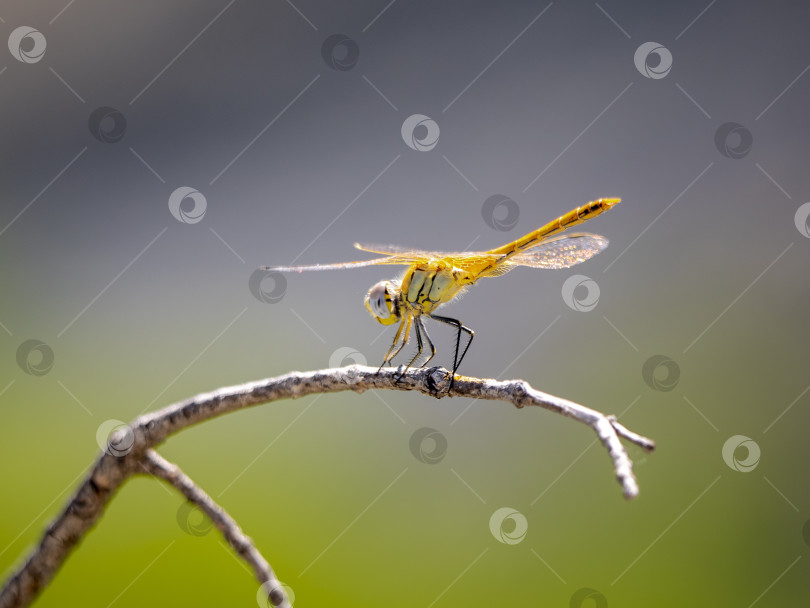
541, 103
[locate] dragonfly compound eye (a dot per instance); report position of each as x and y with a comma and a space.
380, 304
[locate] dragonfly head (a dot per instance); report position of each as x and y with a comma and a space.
382, 301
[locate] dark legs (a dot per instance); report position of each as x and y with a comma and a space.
459, 328
420, 328
403, 335
420, 346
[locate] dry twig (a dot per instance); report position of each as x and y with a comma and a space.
131, 452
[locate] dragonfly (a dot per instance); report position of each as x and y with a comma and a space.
434, 278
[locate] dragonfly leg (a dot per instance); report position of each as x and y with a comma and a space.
406, 337
393, 351
459, 328
419, 344
388, 355
421, 326
420, 331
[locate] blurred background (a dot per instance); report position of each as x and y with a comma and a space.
154, 155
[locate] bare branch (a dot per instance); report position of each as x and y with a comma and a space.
128, 453
242, 544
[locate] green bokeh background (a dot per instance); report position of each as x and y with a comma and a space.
328, 487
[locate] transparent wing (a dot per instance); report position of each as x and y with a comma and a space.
391, 259
559, 252
387, 249
416, 254
471, 261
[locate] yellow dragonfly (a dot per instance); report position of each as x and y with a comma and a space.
434, 278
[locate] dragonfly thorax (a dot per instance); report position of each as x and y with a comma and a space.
383, 302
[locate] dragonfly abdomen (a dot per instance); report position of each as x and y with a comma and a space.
564, 222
